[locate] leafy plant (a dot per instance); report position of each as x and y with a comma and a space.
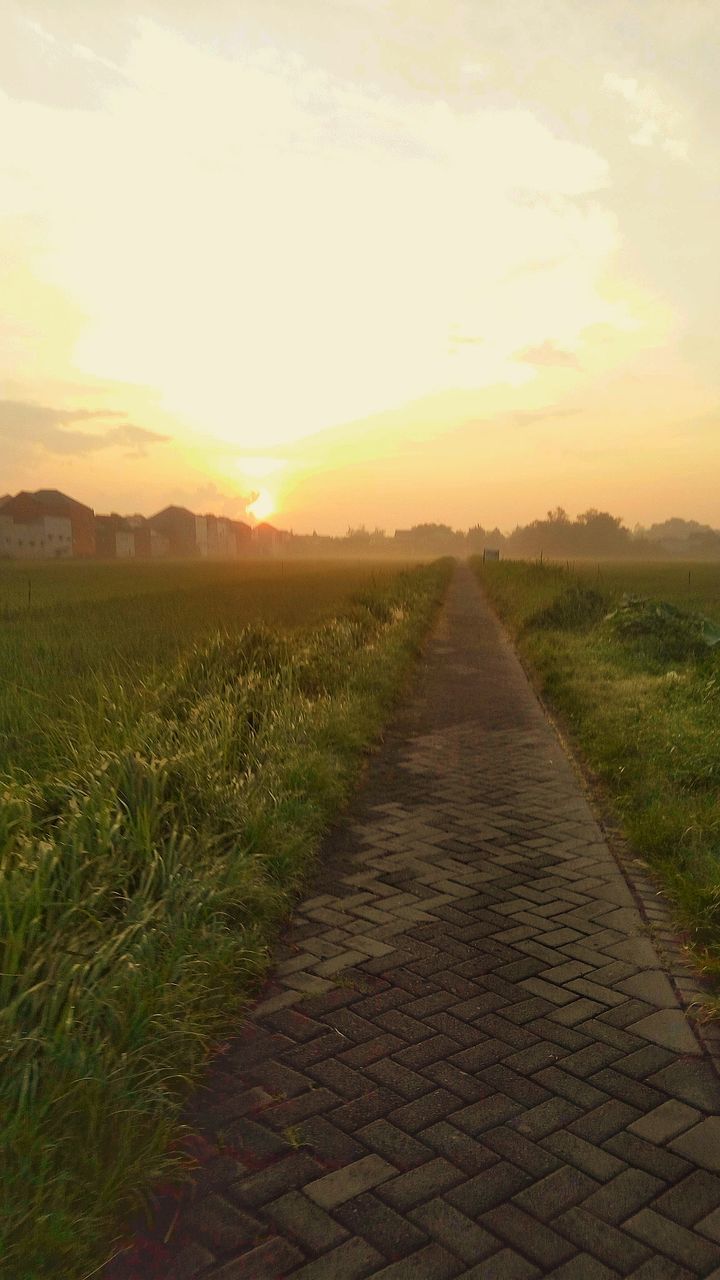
675, 633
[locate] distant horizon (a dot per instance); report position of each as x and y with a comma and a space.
387, 529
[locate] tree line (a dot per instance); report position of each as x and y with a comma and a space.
592, 533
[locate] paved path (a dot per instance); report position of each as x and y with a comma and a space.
469, 1062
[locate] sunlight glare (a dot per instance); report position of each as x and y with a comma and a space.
262, 506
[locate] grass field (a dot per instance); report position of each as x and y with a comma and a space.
91, 631
175, 754
640, 694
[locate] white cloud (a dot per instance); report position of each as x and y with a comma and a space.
75, 48
277, 250
655, 123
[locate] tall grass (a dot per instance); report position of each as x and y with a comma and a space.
140, 887
642, 702
131, 621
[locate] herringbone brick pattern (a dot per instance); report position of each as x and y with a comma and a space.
469, 1061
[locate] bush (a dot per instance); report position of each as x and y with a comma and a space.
576, 608
669, 632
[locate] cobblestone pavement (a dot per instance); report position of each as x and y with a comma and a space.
470, 1061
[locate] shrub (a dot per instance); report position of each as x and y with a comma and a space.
669, 632
576, 608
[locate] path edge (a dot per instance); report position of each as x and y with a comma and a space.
691, 989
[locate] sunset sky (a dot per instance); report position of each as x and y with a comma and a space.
377, 261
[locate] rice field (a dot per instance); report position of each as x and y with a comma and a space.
174, 746
74, 634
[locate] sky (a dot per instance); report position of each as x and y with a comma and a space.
343, 262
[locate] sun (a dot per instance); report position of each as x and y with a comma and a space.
262, 506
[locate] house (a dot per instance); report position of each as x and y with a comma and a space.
268, 540
241, 537
143, 536
149, 542
222, 536
202, 535
114, 538
179, 526
81, 517
47, 537
211, 536
46, 524
22, 539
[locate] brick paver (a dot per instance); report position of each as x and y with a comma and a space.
471, 1059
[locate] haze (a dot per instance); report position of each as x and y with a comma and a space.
368, 261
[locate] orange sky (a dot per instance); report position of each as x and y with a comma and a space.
379, 261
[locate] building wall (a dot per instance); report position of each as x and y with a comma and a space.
28, 540
49, 536
125, 544
6, 534
82, 518
211, 535
143, 535
159, 544
178, 526
29, 508
201, 535
105, 537
83, 531
241, 537
268, 540
58, 537
224, 537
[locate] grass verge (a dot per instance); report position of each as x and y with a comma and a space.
142, 885
640, 694
130, 620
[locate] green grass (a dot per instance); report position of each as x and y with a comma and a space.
643, 706
124, 622
266, 584
145, 868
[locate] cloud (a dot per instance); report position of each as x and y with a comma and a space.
526, 417
517, 418
533, 266
319, 225
24, 414
656, 124
50, 429
74, 48
464, 340
137, 438
210, 497
548, 354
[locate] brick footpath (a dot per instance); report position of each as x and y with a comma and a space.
471, 1060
